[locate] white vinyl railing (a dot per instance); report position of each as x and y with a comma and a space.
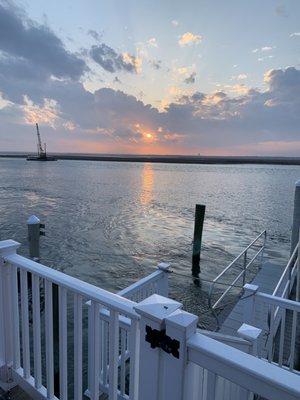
155, 283
220, 372
147, 350
213, 301
278, 315
23, 334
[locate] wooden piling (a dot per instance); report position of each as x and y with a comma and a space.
198, 228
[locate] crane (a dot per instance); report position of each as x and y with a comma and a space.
41, 151
42, 154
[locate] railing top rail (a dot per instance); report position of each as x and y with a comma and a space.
155, 276
91, 292
290, 262
250, 372
239, 256
278, 301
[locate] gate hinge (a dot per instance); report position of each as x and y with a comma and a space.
159, 339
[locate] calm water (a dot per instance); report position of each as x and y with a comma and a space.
111, 223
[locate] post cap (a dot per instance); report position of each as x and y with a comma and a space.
249, 332
164, 266
251, 288
182, 320
8, 247
157, 307
32, 220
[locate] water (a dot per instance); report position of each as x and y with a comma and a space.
111, 223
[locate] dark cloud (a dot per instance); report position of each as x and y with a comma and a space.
95, 35
281, 10
156, 64
28, 68
191, 79
37, 44
111, 61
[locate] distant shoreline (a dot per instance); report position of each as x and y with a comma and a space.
171, 159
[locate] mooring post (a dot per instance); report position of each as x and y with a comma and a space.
296, 217
34, 232
198, 228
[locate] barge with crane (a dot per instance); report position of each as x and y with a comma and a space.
41, 151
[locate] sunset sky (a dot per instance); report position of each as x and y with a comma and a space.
212, 77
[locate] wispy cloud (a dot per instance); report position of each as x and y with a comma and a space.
188, 39
295, 34
264, 49
174, 22
152, 42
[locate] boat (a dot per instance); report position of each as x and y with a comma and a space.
41, 151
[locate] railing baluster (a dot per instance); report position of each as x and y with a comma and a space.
94, 361
63, 344
134, 346
281, 341
293, 340
25, 324
271, 333
36, 321
104, 352
113, 354
123, 360
15, 316
49, 338
211, 385
77, 347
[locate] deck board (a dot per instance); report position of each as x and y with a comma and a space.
266, 279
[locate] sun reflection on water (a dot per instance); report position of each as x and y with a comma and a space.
147, 184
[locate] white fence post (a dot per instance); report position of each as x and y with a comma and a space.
249, 306
296, 217
180, 326
153, 311
7, 315
164, 283
298, 272
252, 334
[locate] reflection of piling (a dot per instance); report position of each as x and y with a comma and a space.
296, 217
198, 228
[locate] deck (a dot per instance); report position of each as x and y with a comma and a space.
266, 279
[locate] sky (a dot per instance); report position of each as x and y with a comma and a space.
209, 77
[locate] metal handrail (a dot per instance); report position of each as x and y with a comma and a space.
241, 274
290, 264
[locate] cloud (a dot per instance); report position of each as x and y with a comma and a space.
295, 34
95, 35
113, 62
188, 39
175, 23
37, 89
281, 11
36, 46
191, 79
264, 49
152, 42
156, 64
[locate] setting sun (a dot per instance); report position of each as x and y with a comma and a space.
149, 136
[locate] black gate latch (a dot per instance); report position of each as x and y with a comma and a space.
158, 338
